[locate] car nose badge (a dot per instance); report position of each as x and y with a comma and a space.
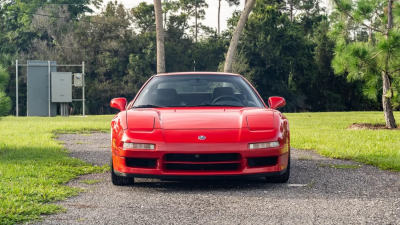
202, 137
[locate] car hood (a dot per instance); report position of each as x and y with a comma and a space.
201, 119
205, 125
204, 118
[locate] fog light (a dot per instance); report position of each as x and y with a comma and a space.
139, 146
272, 144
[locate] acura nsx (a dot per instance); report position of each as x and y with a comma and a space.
199, 125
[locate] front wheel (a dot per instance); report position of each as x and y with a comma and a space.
118, 180
282, 178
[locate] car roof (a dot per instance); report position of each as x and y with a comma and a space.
196, 73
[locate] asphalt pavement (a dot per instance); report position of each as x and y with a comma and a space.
320, 191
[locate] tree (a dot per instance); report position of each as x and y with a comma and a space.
277, 53
16, 34
292, 59
375, 61
160, 37
55, 38
144, 17
17, 15
231, 3
107, 40
104, 41
236, 35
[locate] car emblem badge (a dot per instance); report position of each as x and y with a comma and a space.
202, 137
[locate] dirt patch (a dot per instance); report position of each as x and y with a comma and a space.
369, 126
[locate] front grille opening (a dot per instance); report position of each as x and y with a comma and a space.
222, 157
202, 167
262, 161
140, 162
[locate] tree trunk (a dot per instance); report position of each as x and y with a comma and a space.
390, 15
369, 35
386, 103
195, 19
236, 35
291, 10
165, 15
219, 17
160, 37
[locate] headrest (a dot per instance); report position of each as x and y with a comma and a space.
220, 91
166, 94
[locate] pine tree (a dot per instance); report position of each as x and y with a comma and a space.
375, 60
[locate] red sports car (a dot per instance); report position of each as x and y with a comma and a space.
199, 125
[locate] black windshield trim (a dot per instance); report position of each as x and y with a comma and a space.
148, 106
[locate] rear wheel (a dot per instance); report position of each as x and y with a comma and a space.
282, 178
118, 180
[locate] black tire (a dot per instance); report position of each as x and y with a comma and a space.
283, 178
118, 180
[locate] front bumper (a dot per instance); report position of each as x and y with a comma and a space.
193, 161
199, 176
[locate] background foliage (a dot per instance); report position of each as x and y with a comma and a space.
5, 102
286, 49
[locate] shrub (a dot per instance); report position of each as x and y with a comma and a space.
5, 101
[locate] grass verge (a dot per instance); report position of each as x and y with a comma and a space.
326, 133
34, 167
90, 181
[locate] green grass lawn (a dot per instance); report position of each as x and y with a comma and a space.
326, 133
34, 167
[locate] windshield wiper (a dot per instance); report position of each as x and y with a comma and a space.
229, 105
148, 106
219, 105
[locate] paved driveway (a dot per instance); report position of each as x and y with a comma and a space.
320, 191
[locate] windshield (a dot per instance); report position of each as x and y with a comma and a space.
197, 90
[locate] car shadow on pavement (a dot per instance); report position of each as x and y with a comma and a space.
202, 184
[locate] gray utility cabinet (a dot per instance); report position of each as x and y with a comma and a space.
38, 89
61, 87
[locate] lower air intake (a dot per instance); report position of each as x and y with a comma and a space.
202, 167
262, 161
140, 162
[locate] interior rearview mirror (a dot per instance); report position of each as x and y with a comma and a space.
197, 82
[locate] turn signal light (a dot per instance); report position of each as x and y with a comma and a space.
272, 144
138, 146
